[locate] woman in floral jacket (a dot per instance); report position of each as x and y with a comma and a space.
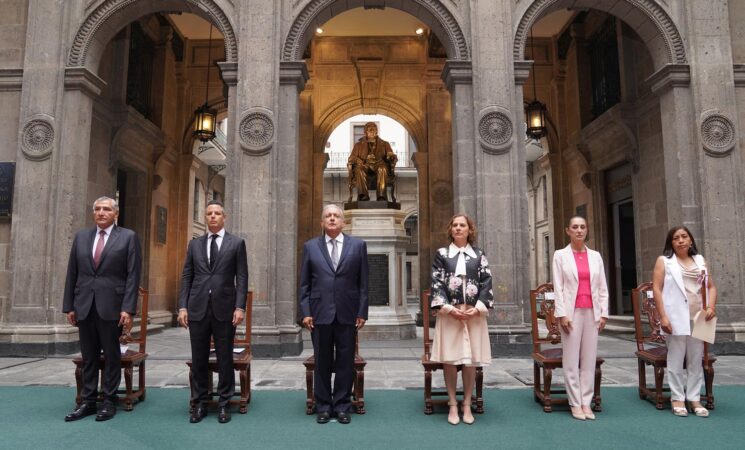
461, 298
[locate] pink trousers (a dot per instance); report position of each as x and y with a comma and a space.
580, 350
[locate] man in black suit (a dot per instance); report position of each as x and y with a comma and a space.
333, 305
103, 276
212, 302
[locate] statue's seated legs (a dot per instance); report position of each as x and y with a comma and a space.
360, 182
381, 176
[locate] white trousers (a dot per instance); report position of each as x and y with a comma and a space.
580, 351
680, 349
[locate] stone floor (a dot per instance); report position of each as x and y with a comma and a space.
391, 365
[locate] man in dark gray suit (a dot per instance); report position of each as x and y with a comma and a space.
333, 305
212, 302
103, 276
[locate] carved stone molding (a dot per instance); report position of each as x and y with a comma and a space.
256, 131
317, 11
717, 133
37, 137
86, 34
495, 130
650, 8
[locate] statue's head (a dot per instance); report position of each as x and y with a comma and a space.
371, 130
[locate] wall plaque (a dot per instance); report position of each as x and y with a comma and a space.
7, 178
161, 225
377, 279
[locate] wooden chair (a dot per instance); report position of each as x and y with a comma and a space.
130, 360
241, 363
651, 350
358, 382
545, 360
432, 366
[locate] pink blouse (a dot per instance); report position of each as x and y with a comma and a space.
584, 291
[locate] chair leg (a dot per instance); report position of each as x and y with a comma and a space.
536, 382
642, 378
596, 397
243, 400
359, 391
309, 402
709, 383
659, 375
128, 403
141, 386
547, 376
479, 401
78, 384
428, 407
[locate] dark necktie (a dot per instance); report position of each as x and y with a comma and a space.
99, 248
213, 251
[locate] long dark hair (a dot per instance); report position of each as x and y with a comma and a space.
668, 252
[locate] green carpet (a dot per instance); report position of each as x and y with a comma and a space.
32, 417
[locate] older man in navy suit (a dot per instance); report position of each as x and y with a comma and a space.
212, 302
333, 304
103, 275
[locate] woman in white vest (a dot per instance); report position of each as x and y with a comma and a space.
678, 277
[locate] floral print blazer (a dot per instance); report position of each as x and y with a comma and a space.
447, 288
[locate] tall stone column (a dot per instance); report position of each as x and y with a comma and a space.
458, 77
720, 160
501, 178
50, 201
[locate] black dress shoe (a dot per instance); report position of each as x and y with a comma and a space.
343, 417
323, 417
198, 414
223, 415
84, 410
107, 412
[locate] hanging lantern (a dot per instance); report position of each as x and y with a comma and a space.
535, 113
205, 120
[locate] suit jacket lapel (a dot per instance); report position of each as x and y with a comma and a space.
109, 242
325, 251
569, 261
89, 246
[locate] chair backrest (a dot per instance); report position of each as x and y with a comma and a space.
126, 337
642, 300
542, 306
425, 320
245, 342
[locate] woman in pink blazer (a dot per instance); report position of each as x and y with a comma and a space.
582, 308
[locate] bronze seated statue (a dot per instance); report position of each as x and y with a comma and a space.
371, 165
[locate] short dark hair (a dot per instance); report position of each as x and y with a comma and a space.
215, 202
472, 232
668, 251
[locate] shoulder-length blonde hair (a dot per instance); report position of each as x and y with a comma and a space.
472, 231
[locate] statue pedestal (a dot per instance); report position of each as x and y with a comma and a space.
383, 230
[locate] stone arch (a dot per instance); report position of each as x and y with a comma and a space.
343, 110
110, 16
432, 12
650, 21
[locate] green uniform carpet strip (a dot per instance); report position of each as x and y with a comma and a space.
32, 417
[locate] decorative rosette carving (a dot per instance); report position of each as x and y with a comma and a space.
495, 130
37, 137
256, 131
717, 133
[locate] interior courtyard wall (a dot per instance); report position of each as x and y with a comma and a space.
13, 34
